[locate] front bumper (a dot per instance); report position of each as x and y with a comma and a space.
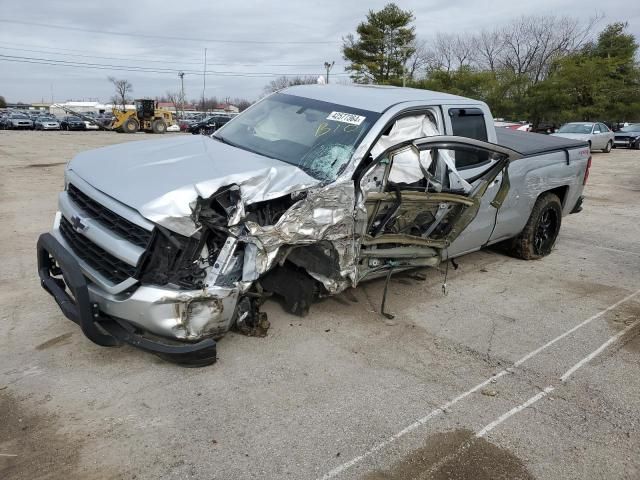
624, 142
61, 276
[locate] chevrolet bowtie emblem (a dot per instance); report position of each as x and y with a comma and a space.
76, 223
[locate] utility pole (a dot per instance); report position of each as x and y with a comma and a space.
328, 66
181, 75
204, 77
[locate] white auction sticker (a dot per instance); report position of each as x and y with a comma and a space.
346, 118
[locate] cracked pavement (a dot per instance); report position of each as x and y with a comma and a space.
323, 390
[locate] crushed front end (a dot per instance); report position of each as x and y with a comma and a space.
125, 279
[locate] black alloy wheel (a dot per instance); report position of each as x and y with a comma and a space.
546, 232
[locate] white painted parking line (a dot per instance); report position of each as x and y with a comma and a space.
514, 410
577, 327
597, 352
434, 413
563, 378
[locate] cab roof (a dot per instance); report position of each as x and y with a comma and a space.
376, 98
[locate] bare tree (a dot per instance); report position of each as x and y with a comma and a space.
531, 44
489, 47
442, 55
176, 99
463, 50
418, 62
123, 89
285, 81
242, 103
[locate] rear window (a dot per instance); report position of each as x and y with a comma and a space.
468, 122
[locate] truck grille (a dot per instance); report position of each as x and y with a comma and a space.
112, 268
114, 222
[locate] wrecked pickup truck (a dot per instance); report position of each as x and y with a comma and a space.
168, 244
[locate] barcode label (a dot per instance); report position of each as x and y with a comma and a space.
346, 118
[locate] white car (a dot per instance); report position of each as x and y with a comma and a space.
90, 125
597, 134
173, 128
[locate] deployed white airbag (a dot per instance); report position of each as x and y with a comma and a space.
407, 164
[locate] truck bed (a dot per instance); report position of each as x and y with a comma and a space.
529, 144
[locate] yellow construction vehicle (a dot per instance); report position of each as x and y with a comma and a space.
145, 117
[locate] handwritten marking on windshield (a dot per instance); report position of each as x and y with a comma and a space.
325, 128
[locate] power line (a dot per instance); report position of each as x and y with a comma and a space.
137, 58
165, 37
130, 68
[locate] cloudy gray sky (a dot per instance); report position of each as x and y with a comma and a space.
246, 41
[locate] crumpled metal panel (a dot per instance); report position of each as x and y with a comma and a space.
325, 214
174, 209
171, 174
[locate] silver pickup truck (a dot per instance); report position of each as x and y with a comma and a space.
168, 244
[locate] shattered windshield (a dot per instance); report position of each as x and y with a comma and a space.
584, 128
318, 137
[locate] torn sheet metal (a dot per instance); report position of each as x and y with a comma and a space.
325, 214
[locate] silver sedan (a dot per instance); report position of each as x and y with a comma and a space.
597, 134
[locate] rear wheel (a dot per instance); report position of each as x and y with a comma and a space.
159, 126
541, 231
608, 148
130, 126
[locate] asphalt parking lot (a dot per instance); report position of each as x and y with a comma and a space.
524, 370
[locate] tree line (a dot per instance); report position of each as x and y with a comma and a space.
539, 68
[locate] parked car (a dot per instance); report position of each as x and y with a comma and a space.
90, 125
47, 122
597, 134
173, 128
72, 123
167, 244
209, 125
18, 121
185, 124
628, 136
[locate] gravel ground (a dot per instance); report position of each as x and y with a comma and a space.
342, 393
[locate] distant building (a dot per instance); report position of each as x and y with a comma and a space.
188, 107
226, 108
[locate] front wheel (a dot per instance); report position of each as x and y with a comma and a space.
541, 231
159, 126
130, 126
608, 148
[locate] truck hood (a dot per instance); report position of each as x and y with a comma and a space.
163, 179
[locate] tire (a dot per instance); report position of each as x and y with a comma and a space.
608, 148
636, 146
130, 126
159, 126
541, 231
